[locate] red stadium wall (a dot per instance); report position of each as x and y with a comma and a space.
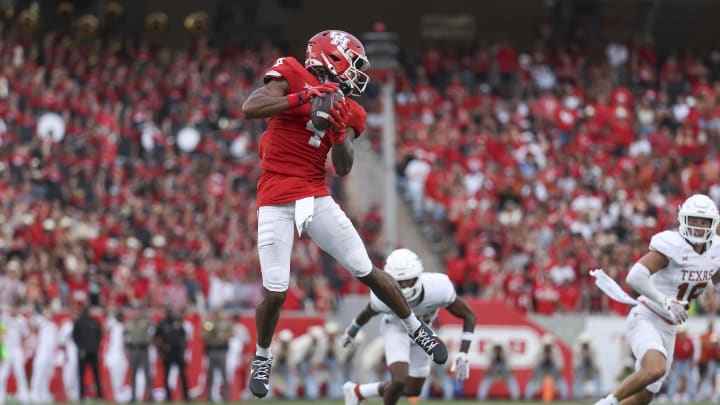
195, 370
521, 337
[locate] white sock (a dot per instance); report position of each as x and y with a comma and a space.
411, 323
612, 399
263, 351
370, 390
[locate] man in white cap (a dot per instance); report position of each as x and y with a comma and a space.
16, 331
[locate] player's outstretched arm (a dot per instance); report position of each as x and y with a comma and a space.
461, 310
352, 330
272, 98
267, 100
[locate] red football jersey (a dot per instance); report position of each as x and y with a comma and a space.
292, 152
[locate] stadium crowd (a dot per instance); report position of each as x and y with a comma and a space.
527, 169
117, 208
524, 168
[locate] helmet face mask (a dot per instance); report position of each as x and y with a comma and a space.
698, 210
342, 56
404, 265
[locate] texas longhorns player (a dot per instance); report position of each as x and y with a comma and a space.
676, 269
409, 366
292, 192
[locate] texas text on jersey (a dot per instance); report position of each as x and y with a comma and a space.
292, 151
688, 273
437, 292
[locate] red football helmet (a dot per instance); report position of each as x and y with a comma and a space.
342, 55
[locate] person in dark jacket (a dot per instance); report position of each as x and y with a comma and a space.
87, 334
170, 339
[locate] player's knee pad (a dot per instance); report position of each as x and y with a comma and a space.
275, 286
358, 263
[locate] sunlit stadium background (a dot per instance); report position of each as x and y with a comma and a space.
514, 145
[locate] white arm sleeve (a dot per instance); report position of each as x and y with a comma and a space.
639, 279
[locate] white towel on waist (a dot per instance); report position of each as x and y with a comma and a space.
304, 209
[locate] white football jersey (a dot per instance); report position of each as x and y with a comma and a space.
437, 291
688, 273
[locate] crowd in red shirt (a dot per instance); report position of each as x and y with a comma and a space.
533, 168
117, 213
530, 168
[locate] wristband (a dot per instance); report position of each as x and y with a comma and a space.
295, 99
353, 329
468, 336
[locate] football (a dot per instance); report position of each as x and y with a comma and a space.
320, 109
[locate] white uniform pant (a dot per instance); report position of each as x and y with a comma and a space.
16, 361
117, 366
42, 371
70, 373
646, 331
330, 228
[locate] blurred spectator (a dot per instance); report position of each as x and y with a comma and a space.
498, 369
70, 356
334, 360
708, 384
44, 358
240, 337
548, 365
171, 340
683, 367
307, 353
114, 357
586, 368
138, 333
87, 334
216, 334
283, 368
15, 331
705, 351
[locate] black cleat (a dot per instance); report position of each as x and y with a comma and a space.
260, 375
430, 343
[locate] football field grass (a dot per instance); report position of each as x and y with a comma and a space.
429, 402
378, 402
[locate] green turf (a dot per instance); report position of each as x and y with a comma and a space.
402, 402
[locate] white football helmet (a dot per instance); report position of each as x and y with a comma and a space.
403, 264
700, 206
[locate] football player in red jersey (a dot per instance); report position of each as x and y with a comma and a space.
292, 192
